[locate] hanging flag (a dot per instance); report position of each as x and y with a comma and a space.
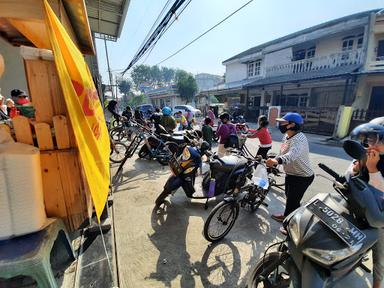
84, 109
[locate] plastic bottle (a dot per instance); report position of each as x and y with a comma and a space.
212, 186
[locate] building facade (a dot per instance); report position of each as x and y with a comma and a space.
313, 71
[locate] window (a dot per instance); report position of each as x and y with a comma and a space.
250, 69
257, 67
299, 55
347, 44
302, 54
360, 40
303, 101
254, 68
311, 52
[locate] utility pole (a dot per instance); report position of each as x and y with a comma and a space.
109, 68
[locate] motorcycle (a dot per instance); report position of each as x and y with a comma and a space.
251, 195
328, 237
223, 176
177, 142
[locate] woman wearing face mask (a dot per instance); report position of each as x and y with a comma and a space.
294, 156
372, 171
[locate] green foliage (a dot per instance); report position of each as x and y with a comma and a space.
186, 85
124, 86
213, 99
152, 75
137, 100
168, 74
141, 74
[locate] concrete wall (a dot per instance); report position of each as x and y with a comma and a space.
14, 74
235, 72
278, 57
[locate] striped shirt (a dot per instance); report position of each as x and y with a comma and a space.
294, 155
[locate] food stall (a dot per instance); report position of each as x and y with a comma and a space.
66, 191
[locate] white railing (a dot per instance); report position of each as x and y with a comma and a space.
317, 63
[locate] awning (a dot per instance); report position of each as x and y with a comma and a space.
106, 17
22, 23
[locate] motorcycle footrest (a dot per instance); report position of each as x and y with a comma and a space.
365, 268
264, 204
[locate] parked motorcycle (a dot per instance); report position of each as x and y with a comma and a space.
223, 176
251, 195
177, 142
327, 238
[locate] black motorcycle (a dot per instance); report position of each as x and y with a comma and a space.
225, 174
328, 237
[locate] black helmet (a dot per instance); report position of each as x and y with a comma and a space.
368, 133
224, 116
204, 147
263, 120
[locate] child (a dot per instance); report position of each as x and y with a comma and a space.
264, 136
207, 131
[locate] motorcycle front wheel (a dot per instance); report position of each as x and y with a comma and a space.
270, 271
220, 220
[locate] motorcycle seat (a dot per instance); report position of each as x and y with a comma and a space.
228, 163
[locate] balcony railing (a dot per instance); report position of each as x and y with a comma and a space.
317, 63
377, 63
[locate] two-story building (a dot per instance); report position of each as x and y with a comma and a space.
313, 71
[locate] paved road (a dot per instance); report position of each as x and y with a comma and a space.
167, 249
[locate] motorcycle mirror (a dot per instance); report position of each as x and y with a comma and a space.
355, 150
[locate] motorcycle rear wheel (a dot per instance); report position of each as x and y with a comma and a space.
160, 199
271, 263
218, 217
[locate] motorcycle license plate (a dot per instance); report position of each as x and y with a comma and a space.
347, 232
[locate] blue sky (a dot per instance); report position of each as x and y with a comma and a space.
259, 22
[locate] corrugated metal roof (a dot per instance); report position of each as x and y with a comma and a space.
106, 17
307, 30
305, 76
229, 86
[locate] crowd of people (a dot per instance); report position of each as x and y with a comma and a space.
293, 155
17, 104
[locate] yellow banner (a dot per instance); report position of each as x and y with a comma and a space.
84, 109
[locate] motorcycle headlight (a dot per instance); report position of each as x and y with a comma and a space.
294, 228
329, 257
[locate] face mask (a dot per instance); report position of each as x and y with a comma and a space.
283, 128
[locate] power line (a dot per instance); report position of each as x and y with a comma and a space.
158, 32
201, 35
165, 30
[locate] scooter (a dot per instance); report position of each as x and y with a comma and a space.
328, 237
223, 175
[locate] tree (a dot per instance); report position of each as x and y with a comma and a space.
141, 74
167, 74
124, 86
186, 85
155, 75
137, 100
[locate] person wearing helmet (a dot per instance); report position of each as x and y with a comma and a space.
264, 136
225, 130
294, 156
371, 135
167, 121
111, 112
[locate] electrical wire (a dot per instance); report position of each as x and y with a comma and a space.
159, 31
165, 30
201, 35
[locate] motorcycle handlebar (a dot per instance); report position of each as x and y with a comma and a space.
331, 172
